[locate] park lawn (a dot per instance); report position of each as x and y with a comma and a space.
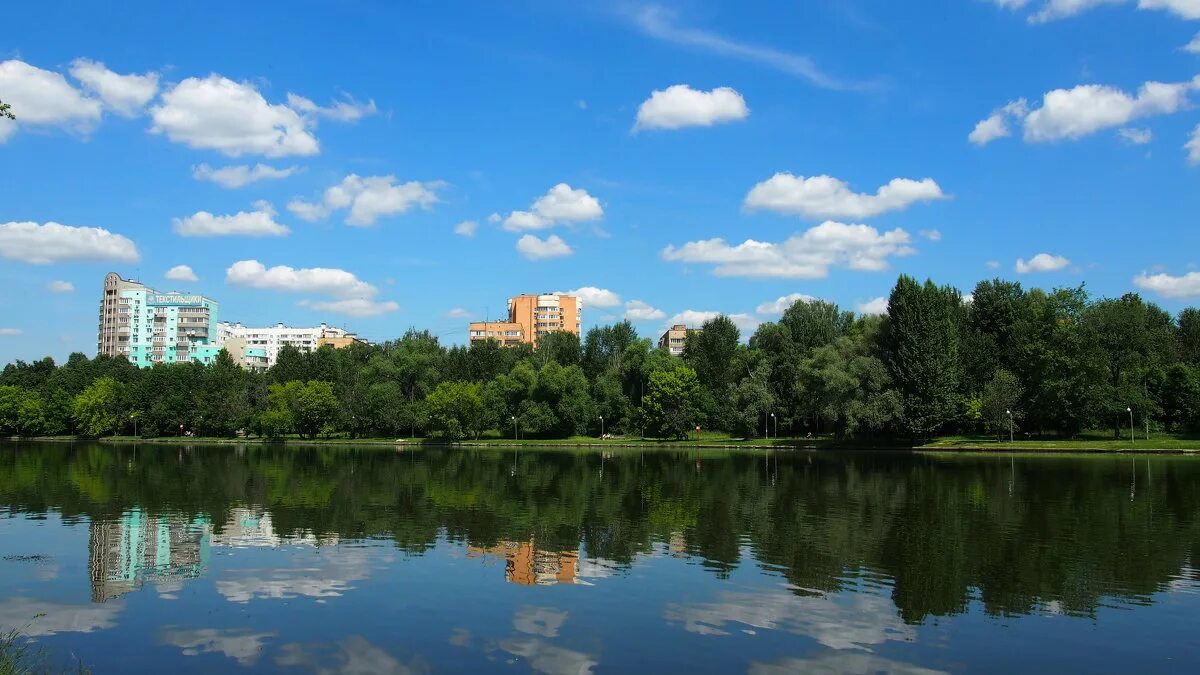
1096, 442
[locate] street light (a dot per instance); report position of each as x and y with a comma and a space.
1130, 411
775, 423
1010, 430
602, 427
514, 421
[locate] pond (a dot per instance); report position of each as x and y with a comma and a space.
267, 559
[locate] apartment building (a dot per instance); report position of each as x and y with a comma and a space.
529, 318
675, 338
267, 341
150, 327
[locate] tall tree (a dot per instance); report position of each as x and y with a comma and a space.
920, 337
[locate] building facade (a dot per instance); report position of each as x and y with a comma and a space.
267, 341
529, 318
675, 338
150, 327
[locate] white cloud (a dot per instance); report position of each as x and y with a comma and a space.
458, 313
37, 618
181, 273
358, 307
11, 332
681, 106
875, 306
329, 281
44, 98
1193, 47
805, 256
348, 110
257, 223
1069, 114
466, 228
1042, 262
494, 218
1193, 146
60, 287
596, 297
993, 264
561, 204
1051, 10
231, 117
369, 198
829, 197
660, 23
780, 305
240, 175
239, 644
637, 310
1135, 136
695, 318
1175, 287
931, 235
125, 95
52, 242
542, 249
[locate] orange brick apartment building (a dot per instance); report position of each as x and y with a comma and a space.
529, 318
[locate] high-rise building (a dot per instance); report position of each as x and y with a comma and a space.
529, 318
149, 327
127, 551
675, 337
268, 340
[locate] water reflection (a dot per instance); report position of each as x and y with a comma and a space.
340, 560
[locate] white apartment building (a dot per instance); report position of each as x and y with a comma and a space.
272, 338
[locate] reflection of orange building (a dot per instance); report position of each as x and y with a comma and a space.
528, 566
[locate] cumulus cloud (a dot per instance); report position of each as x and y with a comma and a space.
43, 98
561, 204
681, 106
1069, 114
780, 305
233, 118
1193, 47
638, 310
876, 306
369, 198
993, 264
692, 318
1135, 136
596, 297
542, 249
181, 273
1042, 262
241, 175
805, 256
1193, 146
51, 242
60, 287
466, 228
10, 332
347, 110
357, 307
125, 95
829, 197
458, 313
257, 223
1182, 287
328, 281
1052, 10
931, 235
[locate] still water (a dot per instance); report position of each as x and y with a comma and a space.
215, 559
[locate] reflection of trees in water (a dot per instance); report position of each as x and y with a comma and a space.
941, 530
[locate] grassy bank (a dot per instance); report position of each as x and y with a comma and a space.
18, 656
1086, 443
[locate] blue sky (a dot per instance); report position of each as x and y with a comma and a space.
640, 146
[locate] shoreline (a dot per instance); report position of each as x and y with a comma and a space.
798, 445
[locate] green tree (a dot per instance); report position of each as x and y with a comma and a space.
1002, 401
97, 409
560, 346
1189, 336
920, 338
456, 409
849, 388
671, 408
22, 412
221, 399
6, 111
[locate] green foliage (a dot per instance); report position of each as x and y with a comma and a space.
305, 407
22, 412
1001, 399
671, 408
920, 339
6, 111
456, 409
97, 409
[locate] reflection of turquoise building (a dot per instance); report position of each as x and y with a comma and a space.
149, 327
125, 553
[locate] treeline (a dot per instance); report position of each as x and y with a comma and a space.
1056, 362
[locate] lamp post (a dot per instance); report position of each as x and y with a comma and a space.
514, 421
1010, 429
775, 424
1130, 411
602, 427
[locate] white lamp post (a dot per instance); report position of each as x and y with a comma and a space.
1010, 429
602, 427
1130, 411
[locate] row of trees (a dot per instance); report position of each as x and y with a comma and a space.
1056, 362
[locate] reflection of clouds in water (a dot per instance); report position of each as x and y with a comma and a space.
34, 617
241, 645
544, 657
337, 568
351, 656
543, 621
864, 620
460, 638
850, 663
596, 568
